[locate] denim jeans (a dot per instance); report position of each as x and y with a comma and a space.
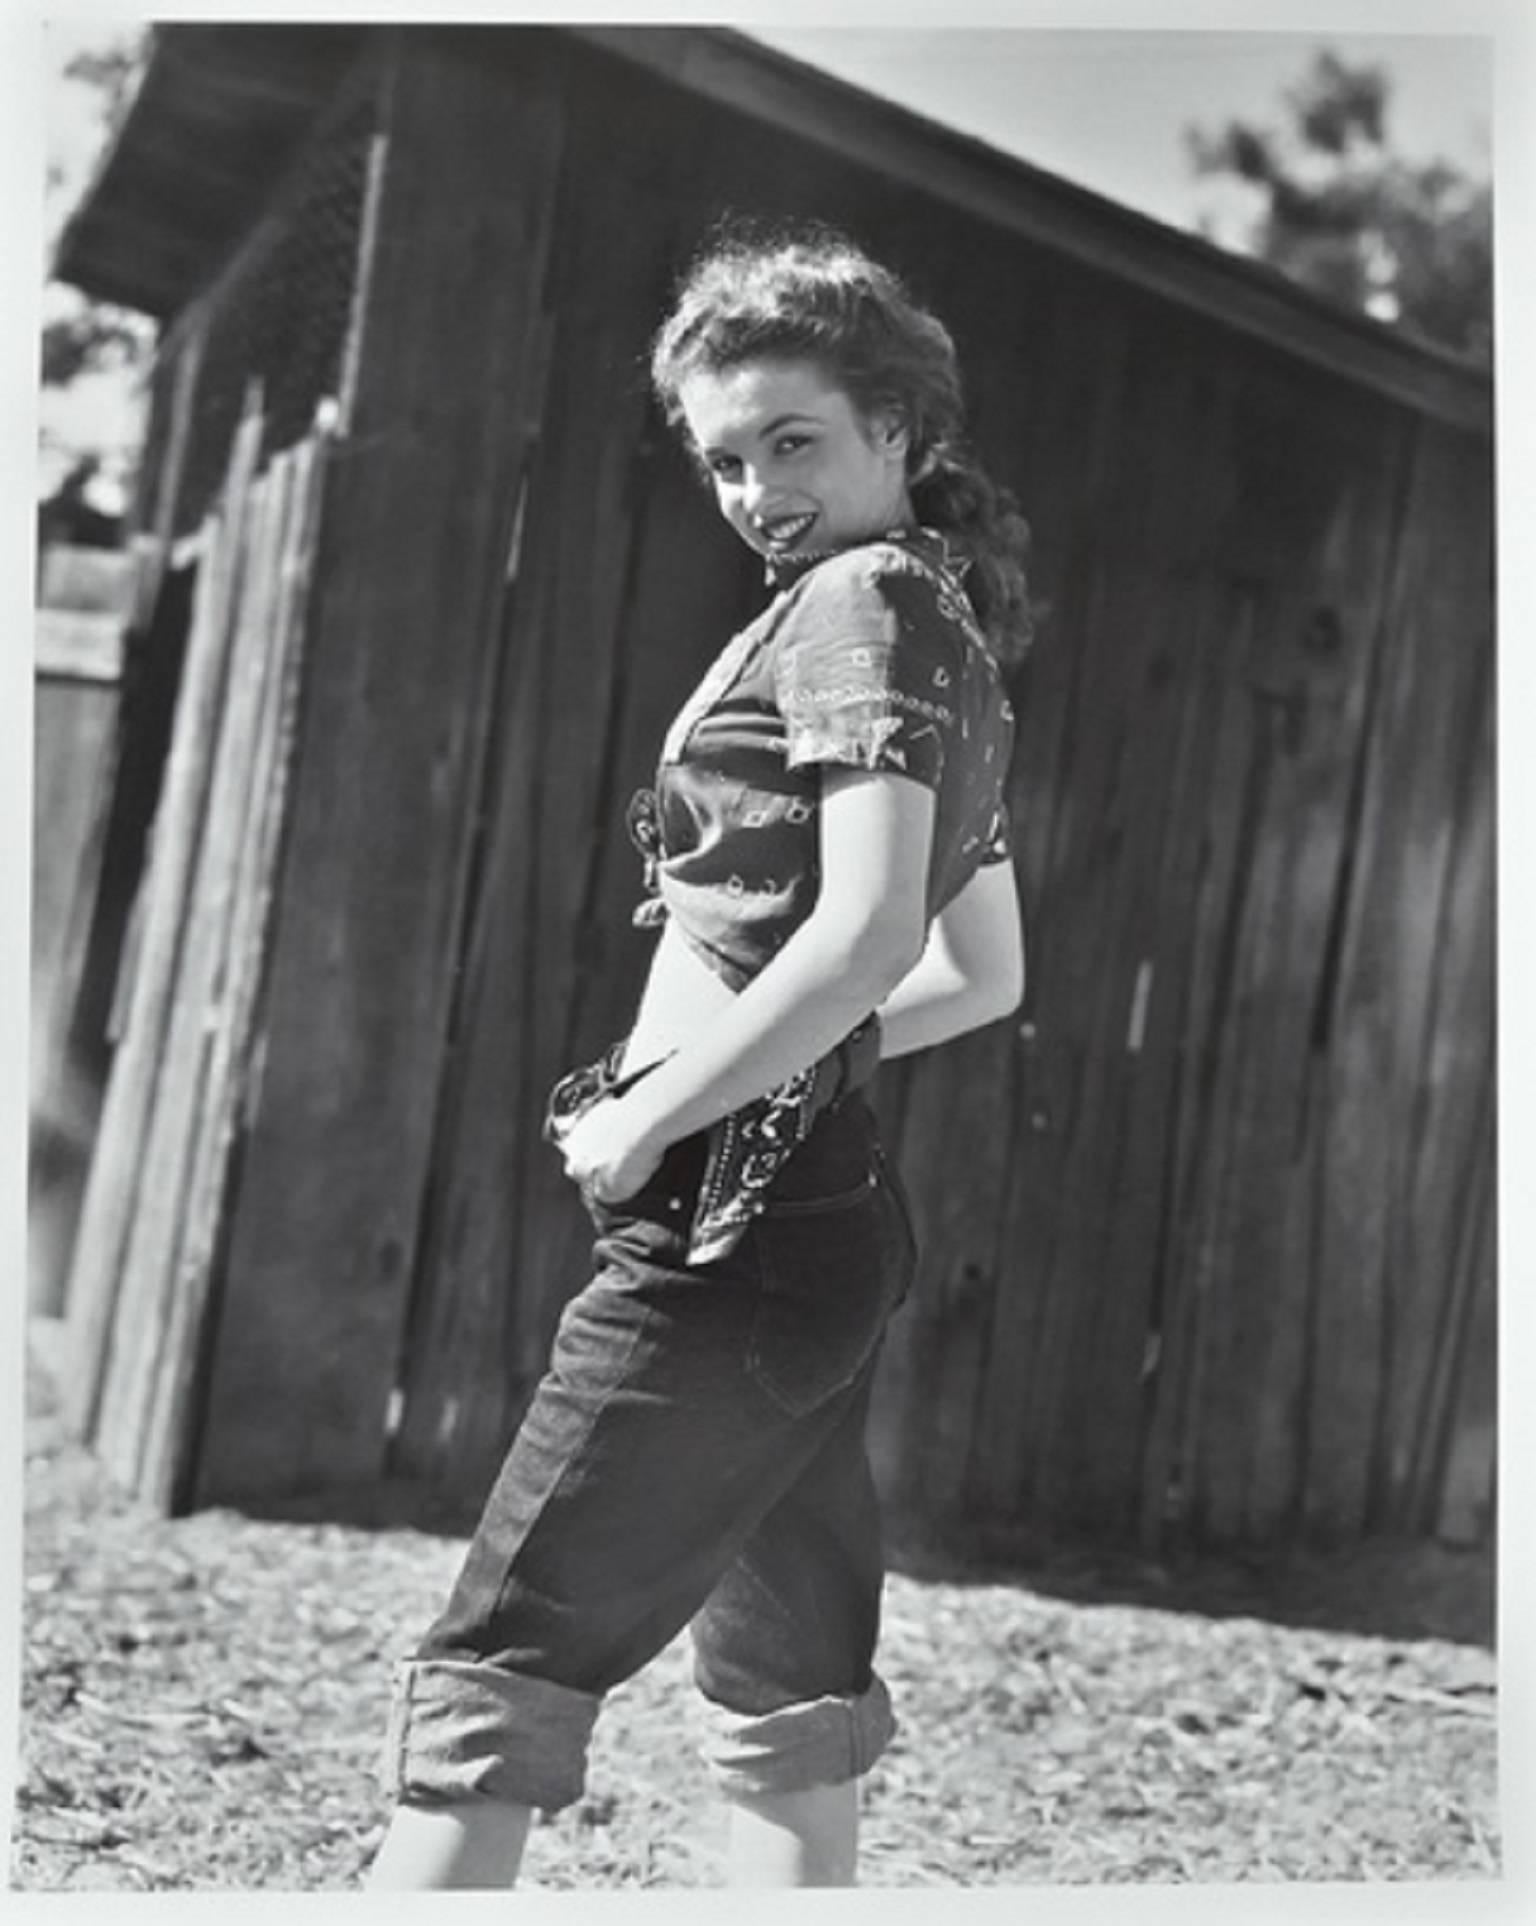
694, 1456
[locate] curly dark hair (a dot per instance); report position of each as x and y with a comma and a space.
810, 293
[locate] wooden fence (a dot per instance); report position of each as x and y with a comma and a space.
153, 1209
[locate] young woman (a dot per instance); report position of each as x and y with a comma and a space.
826, 850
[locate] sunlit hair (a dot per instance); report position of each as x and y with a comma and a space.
811, 294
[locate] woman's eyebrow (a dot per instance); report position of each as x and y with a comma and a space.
763, 433
783, 421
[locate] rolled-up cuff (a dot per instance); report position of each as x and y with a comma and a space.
460, 1730
817, 1742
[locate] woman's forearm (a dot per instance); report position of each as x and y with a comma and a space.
971, 971
821, 985
934, 1002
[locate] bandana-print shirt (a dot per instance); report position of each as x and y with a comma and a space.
871, 656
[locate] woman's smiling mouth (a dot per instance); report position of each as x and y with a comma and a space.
783, 531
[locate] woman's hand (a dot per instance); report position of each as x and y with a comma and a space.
608, 1152
863, 935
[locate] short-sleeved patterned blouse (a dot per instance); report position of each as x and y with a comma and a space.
872, 657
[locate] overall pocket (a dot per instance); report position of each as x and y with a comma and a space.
828, 1277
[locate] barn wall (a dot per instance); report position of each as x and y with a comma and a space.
1125, 1198
1206, 1230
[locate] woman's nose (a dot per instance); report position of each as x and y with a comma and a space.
754, 490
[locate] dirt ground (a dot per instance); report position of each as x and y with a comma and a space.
203, 1700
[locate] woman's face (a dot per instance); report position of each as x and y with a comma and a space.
796, 467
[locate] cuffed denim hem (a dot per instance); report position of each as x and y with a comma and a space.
460, 1730
819, 1742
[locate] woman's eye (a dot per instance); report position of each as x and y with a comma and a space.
791, 444
724, 467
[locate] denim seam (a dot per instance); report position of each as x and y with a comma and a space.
647, 1318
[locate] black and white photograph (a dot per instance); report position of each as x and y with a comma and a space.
763, 1140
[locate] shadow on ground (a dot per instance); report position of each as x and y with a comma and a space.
1384, 1589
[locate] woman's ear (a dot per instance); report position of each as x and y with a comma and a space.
894, 432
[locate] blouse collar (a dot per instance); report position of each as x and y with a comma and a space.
781, 571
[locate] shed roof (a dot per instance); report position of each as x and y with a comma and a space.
219, 114
223, 109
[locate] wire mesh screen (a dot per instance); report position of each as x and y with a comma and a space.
281, 312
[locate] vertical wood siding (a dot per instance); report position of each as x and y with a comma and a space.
325, 1230
143, 1268
1207, 1228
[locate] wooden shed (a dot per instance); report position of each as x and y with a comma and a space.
1209, 1250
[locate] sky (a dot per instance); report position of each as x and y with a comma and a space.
1108, 109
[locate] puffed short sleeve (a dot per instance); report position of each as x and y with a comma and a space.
867, 670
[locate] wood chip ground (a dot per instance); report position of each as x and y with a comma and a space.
203, 1700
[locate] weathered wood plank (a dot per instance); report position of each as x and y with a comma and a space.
1440, 927
106, 1212
1232, 1339
1021, 1405
169, 1439
1386, 966
1448, 1181
958, 1161
142, 1325
1338, 644
501, 1253
1151, 817
1078, 420
74, 733
1457, 1395
1100, 973
73, 730
1210, 819
155, 513
1458, 1491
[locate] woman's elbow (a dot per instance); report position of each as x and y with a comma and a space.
880, 951
1002, 995
1018, 982
1005, 984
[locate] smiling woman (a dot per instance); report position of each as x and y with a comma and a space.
827, 853
796, 469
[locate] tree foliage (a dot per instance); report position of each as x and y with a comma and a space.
1343, 213
114, 71
90, 337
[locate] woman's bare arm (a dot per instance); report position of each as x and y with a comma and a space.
971, 971
862, 938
